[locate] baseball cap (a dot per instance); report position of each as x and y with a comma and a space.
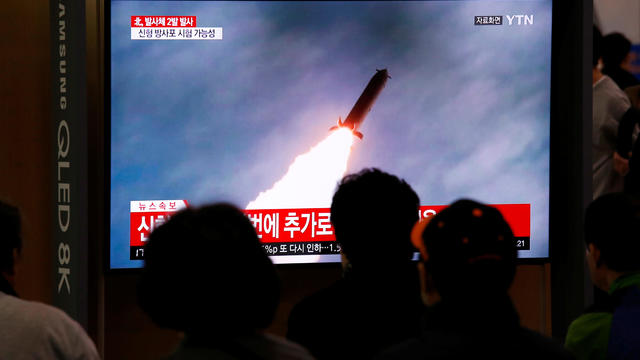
467, 245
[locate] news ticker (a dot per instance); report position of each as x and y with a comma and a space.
294, 231
308, 248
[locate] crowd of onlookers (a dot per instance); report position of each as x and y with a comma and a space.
452, 303
616, 104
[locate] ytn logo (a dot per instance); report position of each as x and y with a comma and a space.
523, 20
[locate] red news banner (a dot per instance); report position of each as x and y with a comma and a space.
163, 21
306, 227
171, 27
301, 225
145, 216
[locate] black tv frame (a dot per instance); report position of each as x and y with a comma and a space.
555, 138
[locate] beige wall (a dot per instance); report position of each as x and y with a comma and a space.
25, 137
618, 16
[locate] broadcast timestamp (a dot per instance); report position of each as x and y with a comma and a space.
522, 243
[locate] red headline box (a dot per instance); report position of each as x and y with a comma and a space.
304, 225
142, 224
146, 215
518, 216
293, 225
163, 21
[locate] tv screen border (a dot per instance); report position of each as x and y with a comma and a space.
554, 140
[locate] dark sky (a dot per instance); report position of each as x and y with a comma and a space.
466, 113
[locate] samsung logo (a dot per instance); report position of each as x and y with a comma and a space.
64, 164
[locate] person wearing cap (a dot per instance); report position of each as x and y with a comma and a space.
611, 328
377, 301
468, 262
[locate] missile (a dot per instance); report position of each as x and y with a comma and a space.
363, 105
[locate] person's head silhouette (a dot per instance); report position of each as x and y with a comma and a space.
372, 213
205, 272
467, 249
616, 49
612, 236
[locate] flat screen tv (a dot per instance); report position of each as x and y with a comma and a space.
268, 104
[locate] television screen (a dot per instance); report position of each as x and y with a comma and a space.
268, 105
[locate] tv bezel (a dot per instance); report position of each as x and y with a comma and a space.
107, 151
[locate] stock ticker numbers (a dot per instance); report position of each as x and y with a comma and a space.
302, 248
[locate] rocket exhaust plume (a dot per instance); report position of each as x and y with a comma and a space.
312, 177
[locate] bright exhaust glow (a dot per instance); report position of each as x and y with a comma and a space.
312, 177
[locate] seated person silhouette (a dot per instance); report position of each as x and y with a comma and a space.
206, 275
377, 301
28, 329
468, 262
